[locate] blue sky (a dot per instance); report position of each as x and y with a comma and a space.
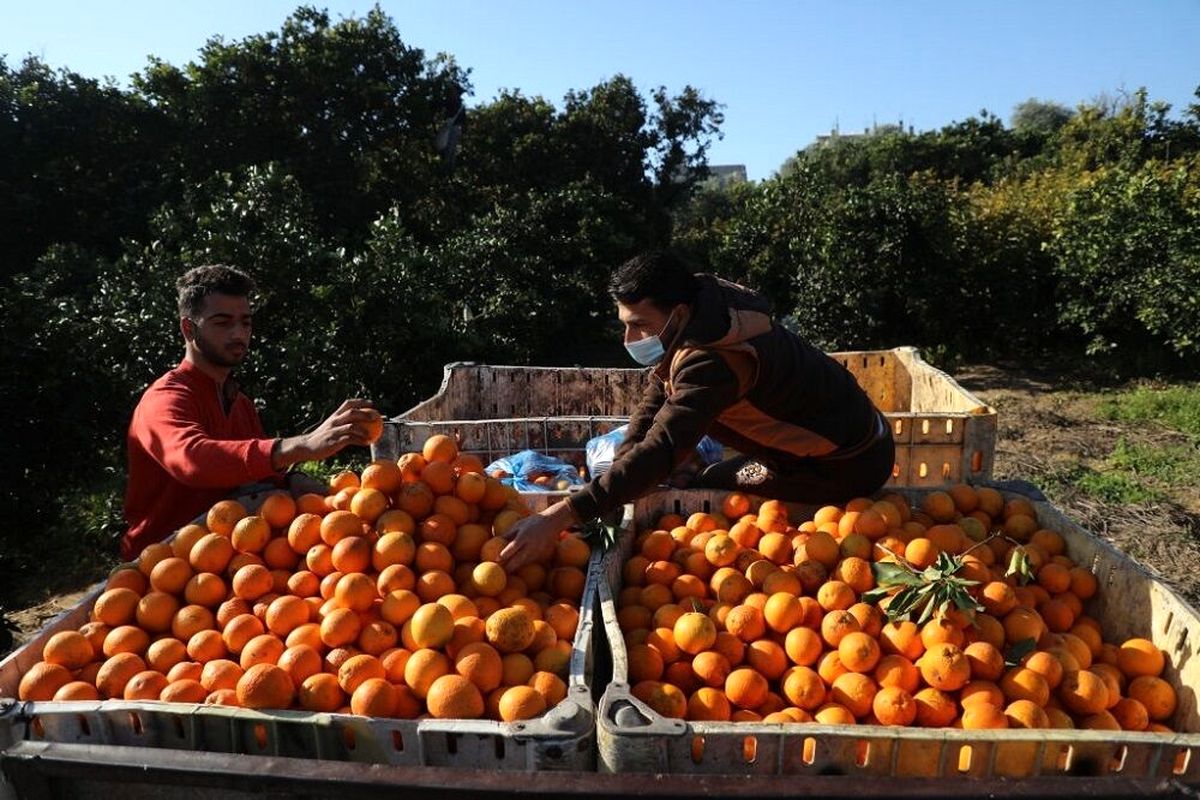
785, 71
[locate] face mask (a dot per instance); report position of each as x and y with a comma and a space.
649, 351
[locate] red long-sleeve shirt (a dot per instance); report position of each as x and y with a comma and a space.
186, 453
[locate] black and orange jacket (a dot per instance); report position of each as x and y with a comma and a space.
748, 382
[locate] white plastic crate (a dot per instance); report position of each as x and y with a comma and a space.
562, 739
633, 738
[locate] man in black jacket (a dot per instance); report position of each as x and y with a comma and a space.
805, 429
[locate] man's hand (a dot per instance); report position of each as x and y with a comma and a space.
343, 428
533, 539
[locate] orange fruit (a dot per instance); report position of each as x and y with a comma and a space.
76, 690
70, 649
859, 652
1083, 692
43, 680
944, 666
803, 688
984, 716
1155, 694
481, 664
510, 630
341, 626
211, 553
115, 673
116, 606
454, 697
746, 688
126, 639
146, 685
265, 686
855, 691
1137, 657
262, 649
320, 692
223, 515
250, 534
252, 582
893, 705
220, 673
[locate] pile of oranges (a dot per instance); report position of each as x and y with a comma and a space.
742, 617
382, 598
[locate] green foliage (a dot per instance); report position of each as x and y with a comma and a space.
1127, 256
306, 155
1039, 116
935, 589
1136, 473
1176, 407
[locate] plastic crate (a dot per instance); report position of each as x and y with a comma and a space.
562, 739
943, 433
633, 738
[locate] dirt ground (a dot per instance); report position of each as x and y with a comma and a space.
1046, 427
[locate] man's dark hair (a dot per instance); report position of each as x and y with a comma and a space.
199, 282
661, 277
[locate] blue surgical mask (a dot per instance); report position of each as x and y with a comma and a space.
647, 352
650, 351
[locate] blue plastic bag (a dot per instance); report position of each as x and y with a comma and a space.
601, 450
526, 465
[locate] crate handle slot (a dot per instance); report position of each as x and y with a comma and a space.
1182, 759
1170, 618
949, 427
178, 726
946, 469
1065, 756
398, 741
864, 753
135, 722
750, 749
923, 470
895, 470
808, 753
697, 749
348, 738
924, 427
898, 427
498, 745
451, 744
965, 754
84, 725
1118, 760
977, 461
260, 736
35, 726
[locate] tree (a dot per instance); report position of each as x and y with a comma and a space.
1039, 116
349, 109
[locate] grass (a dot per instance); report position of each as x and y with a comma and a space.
1135, 472
1174, 407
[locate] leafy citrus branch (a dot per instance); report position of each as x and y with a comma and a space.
936, 588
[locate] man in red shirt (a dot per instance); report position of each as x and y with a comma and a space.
195, 437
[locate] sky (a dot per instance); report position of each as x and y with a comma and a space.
785, 70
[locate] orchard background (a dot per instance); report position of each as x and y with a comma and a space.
1060, 248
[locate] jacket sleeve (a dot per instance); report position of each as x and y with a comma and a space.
168, 428
643, 416
702, 387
